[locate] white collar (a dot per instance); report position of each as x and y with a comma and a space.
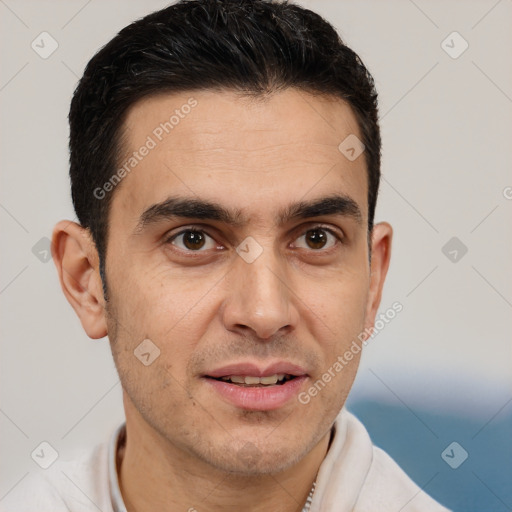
115, 492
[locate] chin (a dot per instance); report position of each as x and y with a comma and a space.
252, 459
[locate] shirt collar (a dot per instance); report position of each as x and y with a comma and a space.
117, 438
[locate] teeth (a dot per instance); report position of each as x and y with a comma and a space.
272, 379
252, 380
249, 380
236, 380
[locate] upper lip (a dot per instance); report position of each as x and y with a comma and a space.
252, 370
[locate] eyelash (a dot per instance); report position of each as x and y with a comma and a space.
338, 237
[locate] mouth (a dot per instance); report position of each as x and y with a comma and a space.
249, 387
250, 381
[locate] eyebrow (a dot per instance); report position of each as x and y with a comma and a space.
175, 207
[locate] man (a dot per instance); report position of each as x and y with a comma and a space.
225, 163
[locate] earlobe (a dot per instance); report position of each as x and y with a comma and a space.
382, 235
76, 258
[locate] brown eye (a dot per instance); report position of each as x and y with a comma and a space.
192, 240
318, 238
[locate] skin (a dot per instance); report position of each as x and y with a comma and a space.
187, 448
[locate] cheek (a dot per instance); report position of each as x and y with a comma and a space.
340, 303
159, 297
170, 311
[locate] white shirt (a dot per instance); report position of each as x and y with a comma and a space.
354, 476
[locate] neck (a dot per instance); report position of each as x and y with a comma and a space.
155, 475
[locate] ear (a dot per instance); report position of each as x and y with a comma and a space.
382, 235
77, 261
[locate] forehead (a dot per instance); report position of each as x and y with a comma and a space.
242, 152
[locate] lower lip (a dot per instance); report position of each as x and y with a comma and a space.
258, 398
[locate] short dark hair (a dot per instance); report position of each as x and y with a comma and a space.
254, 47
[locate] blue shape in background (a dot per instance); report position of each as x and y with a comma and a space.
416, 438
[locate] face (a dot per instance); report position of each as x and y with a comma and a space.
238, 247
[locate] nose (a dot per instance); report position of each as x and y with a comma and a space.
260, 298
